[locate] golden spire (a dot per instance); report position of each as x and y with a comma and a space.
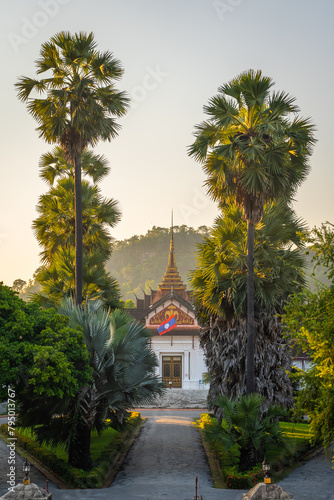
171, 257
171, 280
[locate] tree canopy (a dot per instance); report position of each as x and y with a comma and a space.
54, 229
41, 356
220, 280
309, 323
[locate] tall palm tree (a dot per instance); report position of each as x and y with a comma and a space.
54, 226
54, 165
220, 291
123, 377
79, 106
54, 229
253, 152
57, 279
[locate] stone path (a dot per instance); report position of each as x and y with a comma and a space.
165, 460
312, 481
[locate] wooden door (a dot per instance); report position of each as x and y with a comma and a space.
172, 371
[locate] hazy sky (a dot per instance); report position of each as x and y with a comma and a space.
175, 53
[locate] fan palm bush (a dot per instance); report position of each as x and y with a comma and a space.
55, 165
123, 377
246, 431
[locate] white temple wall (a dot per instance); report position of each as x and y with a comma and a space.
193, 364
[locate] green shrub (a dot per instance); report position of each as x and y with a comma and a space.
78, 478
246, 430
298, 435
237, 481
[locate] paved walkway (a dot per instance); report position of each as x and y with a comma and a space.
312, 481
164, 462
35, 475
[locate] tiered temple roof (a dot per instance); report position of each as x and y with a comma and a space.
171, 285
171, 279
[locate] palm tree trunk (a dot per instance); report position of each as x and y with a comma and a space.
79, 448
250, 308
78, 229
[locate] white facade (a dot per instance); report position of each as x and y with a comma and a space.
180, 344
192, 359
180, 356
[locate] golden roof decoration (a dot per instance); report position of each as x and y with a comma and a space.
172, 279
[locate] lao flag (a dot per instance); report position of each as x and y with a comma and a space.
167, 325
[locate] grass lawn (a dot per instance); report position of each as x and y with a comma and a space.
97, 443
225, 472
299, 432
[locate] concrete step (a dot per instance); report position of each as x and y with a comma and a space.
181, 398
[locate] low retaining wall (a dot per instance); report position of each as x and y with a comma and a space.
181, 398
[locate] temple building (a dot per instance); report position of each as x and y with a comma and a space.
181, 359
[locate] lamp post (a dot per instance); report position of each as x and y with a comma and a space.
26, 470
266, 469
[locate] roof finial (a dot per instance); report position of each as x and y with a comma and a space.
171, 280
171, 258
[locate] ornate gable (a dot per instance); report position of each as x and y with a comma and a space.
181, 317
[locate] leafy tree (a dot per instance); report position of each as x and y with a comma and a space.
13, 325
252, 153
41, 357
78, 107
32, 286
315, 274
321, 242
309, 321
128, 304
123, 376
244, 427
220, 291
18, 285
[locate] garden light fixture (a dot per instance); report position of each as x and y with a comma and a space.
26, 470
266, 469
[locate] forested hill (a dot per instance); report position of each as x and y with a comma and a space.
140, 261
